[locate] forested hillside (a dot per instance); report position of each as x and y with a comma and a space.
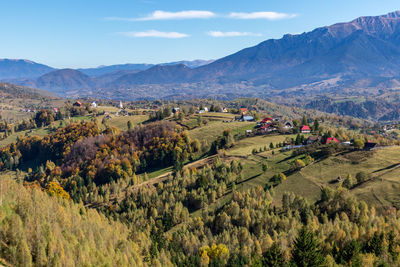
195, 188
40, 230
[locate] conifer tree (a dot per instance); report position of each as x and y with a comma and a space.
306, 251
274, 257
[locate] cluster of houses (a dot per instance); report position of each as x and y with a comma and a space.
204, 110
244, 115
200, 111
315, 139
27, 110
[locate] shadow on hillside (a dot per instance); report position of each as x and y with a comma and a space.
387, 168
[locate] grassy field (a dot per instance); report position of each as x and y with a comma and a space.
245, 146
213, 129
122, 122
382, 166
119, 122
12, 138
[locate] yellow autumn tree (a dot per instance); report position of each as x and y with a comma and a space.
55, 189
213, 252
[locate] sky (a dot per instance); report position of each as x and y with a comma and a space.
89, 33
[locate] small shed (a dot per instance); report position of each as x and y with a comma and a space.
247, 118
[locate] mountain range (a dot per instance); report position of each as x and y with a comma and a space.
32, 74
362, 53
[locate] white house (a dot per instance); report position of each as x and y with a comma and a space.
93, 105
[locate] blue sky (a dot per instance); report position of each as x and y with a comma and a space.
88, 33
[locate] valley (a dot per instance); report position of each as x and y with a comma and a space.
140, 165
285, 153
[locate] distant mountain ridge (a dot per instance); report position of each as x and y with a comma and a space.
22, 68
14, 91
58, 80
362, 53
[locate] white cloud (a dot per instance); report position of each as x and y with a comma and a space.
186, 14
261, 15
231, 34
204, 14
154, 33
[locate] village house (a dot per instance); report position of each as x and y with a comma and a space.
305, 129
78, 104
313, 139
247, 118
243, 111
224, 110
267, 128
176, 110
288, 125
267, 120
330, 140
93, 105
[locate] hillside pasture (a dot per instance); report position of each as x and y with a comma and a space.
213, 129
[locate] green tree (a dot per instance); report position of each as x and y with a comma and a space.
274, 257
361, 177
298, 139
278, 178
351, 251
348, 182
129, 125
271, 145
304, 120
298, 164
307, 250
392, 246
375, 244
316, 125
265, 167
358, 143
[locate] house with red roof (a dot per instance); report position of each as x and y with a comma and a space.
305, 129
243, 110
268, 119
330, 140
268, 128
78, 104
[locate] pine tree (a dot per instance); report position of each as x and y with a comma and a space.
271, 145
265, 167
306, 251
273, 257
304, 120
392, 246
316, 125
